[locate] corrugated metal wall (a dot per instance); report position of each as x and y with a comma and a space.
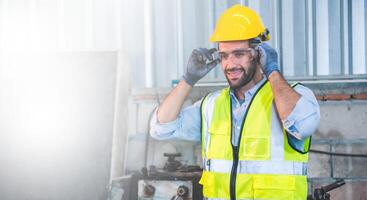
315, 39
319, 39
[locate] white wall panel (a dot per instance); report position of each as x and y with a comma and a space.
287, 37
58, 66
310, 38
335, 38
104, 24
56, 121
58, 25
346, 41
322, 39
165, 51
359, 36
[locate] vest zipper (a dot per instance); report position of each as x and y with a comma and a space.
234, 173
208, 164
235, 149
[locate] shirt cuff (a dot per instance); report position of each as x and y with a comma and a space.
162, 130
301, 111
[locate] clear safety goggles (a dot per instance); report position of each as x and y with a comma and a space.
245, 55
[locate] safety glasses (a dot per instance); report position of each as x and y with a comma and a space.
243, 55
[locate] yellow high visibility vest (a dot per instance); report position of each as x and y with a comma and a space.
263, 166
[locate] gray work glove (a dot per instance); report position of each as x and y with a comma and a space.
200, 63
268, 59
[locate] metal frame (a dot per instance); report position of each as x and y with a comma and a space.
307, 37
357, 79
350, 38
342, 52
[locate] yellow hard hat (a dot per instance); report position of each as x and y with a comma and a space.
239, 23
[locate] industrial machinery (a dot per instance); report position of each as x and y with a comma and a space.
322, 192
174, 182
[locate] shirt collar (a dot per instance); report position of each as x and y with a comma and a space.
249, 93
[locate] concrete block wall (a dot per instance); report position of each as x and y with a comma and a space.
342, 129
325, 169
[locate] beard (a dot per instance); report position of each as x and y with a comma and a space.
247, 76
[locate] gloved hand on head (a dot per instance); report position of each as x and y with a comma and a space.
201, 61
268, 59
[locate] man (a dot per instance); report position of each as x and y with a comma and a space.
255, 134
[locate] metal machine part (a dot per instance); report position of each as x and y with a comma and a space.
322, 192
182, 191
183, 184
165, 190
174, 181
171, 164
148, 190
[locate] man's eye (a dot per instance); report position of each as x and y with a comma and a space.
223, 56
239, 55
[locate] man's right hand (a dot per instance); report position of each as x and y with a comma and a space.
268, 59
200, 63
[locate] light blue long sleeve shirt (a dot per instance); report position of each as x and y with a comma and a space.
300, 124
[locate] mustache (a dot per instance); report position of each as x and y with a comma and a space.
233, 69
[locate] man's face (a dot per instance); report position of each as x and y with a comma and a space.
237, 62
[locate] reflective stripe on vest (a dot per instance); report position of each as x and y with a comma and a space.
259, 172
256, 167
